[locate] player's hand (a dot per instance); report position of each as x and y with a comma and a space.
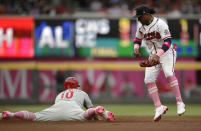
136, 53
155, 59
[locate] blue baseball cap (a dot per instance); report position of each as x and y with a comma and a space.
143, 9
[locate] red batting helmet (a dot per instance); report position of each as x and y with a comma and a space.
71, 83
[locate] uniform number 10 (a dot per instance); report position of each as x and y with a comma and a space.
68, 95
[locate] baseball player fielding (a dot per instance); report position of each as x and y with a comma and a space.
162, 56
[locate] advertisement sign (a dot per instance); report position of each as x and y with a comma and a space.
48, 88
15, 84
86, 37
102, 84
18, 84
113, 37
54, 38
16, 37
185, 33
103, 38
98, 84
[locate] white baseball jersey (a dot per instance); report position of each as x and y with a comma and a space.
154, 35
68, 107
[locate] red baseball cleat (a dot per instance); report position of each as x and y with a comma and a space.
100, 110
6, 114
104, 113
110, 116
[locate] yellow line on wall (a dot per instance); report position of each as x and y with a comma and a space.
90, 65
17, 65
188, 66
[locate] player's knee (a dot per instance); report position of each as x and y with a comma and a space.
168, 74
149, 80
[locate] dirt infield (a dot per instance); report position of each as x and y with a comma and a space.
183, 123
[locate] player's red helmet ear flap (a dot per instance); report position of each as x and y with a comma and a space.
71, 83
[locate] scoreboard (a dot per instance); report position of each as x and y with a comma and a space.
28, 37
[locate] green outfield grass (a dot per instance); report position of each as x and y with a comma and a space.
118, 109
148, 109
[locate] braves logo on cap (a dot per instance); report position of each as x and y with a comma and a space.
143, 9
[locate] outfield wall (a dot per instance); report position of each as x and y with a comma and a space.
39, 81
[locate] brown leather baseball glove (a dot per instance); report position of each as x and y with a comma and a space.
152, 61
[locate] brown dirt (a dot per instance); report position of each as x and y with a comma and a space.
183, 123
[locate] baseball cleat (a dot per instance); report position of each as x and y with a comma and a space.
100, 110
6, 114
104, 113
159, 112
110, 116
180, 108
